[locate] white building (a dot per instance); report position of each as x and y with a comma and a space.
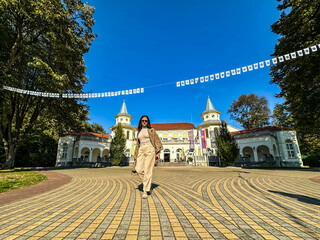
181, 141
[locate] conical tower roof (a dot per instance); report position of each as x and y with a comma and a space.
209, 106
123, 108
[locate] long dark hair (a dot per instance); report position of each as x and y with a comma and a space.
140, 124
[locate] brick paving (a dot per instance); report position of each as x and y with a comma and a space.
185, 203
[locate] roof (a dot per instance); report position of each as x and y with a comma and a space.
209, 106
171, 126
89, 134
267, 128
124, 108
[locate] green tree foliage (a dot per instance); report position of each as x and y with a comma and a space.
227, 147
118, 146
41, 49
94, 128
251, 111
299, 79
281, 117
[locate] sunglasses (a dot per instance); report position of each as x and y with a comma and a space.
144, 120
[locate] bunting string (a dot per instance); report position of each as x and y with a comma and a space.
193, 81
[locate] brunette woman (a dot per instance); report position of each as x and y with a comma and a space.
148, 147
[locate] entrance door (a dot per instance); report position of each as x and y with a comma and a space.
167, 157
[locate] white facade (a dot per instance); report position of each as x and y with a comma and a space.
181, 141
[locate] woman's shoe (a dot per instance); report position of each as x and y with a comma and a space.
144, 195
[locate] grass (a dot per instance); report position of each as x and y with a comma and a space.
19, 179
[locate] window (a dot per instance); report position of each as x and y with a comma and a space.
212, 116
64, 151
128, 134
207, 133
290, 149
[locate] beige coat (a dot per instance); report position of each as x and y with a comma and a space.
154, 139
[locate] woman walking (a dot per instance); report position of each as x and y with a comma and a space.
147, 150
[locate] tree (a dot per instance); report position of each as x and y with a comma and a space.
299, 79
251, 111
42, 48
227, 147
118, 146
281, 116
94, 128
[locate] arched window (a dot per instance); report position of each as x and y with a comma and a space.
290, 149
64, 151
166, 151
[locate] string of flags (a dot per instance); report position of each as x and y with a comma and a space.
75, 95
244, 69
215, 76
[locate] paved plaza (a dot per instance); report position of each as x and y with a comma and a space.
185, 203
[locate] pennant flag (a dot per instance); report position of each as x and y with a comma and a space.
201, 79
306, 50
206, 78
119, 92
182, 83
130, 91
274, 60
98, 94
142, 90
222, 74
233, 72
196, 80
217, 76
250, 67
187, 82
138, 90
238, 70
267, 63
244, 69
300, 53
255, 65
287, 57
192, 81
228, 73
211, 77
134, 91
261, 64
281, 59
293, 55
314, 48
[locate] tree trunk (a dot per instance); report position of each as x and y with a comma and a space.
11, 150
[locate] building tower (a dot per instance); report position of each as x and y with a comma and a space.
128, 130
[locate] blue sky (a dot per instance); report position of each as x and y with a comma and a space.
146, 43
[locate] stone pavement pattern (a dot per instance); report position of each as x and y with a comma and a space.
186, 203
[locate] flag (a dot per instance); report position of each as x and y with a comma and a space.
130, 91
281, 59
228, 73
191, 139
196, 80
201, 79
203, 139
300, 53
244, 69
211, 77
134, 91
255, 66
191, 81
267, 62
261, 64
306, 50
287, 57
182, 83
127, 92
138, 90
250, 67
314, 48
142, 90
274, 60
293, 55
187, 82
206, 78
222, 74
233, 72
238, 70
217, 76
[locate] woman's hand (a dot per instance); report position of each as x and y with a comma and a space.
158, 156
